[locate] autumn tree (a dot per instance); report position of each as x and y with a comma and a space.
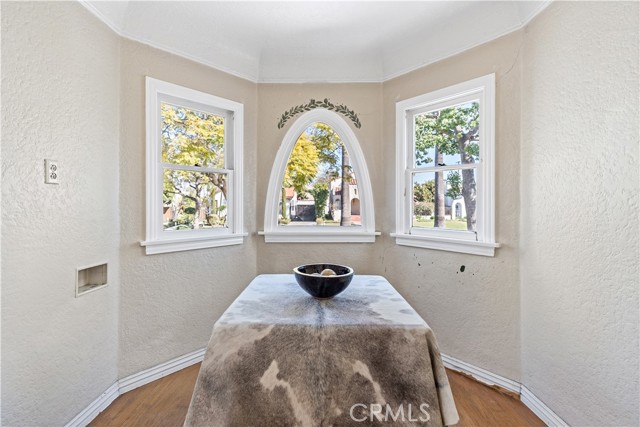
450, 131
192, 138
301, 169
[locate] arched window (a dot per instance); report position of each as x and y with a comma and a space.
319, 189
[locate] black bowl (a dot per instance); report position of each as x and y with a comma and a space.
323, 287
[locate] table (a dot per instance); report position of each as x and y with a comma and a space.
278, 357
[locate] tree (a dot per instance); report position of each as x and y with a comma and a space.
424, 192
334, 154
450, 131
454, 183
192, 138
301, 170
320, 193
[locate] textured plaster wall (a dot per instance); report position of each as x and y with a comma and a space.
60, 71
169, 302
579, 216
273, 100
474, 313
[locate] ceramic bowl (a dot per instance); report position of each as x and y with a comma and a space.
323, 287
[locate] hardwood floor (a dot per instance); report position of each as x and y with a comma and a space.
164, 403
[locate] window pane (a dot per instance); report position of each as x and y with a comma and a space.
312, 191
445, 200
191, 137
448, 136
194, 200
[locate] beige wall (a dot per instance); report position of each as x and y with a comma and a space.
474, 313
60, 71
275, 99
579, 216
169, 302
74, 92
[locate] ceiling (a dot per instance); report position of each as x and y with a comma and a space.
315, 41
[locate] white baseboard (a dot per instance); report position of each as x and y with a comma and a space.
95, 407
536, 405
162, 370
131, 382
481, 375
134, 381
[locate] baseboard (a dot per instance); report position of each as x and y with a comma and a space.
162, 370
95, 407
536, 405
481, 375
134, 381
131, 382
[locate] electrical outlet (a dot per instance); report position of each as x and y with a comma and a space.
51, 172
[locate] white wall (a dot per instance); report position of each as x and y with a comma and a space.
579, 215
60, 71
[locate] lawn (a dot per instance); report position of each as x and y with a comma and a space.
455, 224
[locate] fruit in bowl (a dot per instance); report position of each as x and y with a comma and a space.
323, 281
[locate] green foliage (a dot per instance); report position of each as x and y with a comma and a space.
320, 193
445, 129
455, 184
424, 192
192, 138
313, 104
423, 208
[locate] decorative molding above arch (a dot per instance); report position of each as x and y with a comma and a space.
325, 104
305, 234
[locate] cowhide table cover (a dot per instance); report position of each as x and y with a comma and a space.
278, 357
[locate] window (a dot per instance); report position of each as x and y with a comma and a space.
445, 169
194, 169
319, 189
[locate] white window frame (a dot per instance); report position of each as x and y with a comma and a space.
157, 240
273, 233
481, 242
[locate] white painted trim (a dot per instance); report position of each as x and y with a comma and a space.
318, 237
162, 370
158, 241
538, 407
139, 379
275, 233
479, 374
483, 242
444, 244
132, 382
100, 404
179, 245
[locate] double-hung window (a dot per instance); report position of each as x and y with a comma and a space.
194, 169
445, 169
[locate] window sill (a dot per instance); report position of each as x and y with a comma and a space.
153, 247
319, 236
445, 244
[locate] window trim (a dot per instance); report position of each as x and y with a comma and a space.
484, 244
316, 234
157, 241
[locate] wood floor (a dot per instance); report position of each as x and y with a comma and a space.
165, 402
